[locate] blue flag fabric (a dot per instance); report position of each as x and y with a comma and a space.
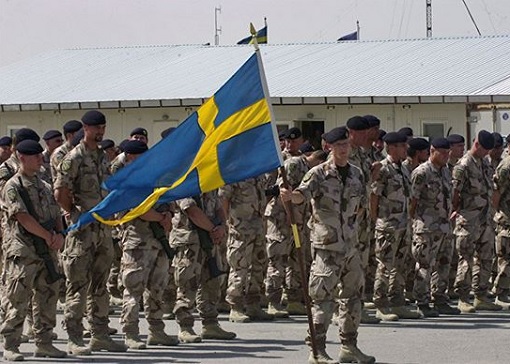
228, 139
350, 36
261, 37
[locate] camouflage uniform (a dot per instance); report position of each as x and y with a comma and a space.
392, 244
502, 218
361, 159
473, 230
46, 167
246, 253
25, 272
88, 252
432, 244
192, 276
334, 234
56, 157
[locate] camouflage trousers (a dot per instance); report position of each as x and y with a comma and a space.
194, 283
144, 275
502, 281
391, 251
432, 252
283, 264
114, 283
87, 259
365, 248
475, 246
246, 255
170, 292
25, 282
336, 278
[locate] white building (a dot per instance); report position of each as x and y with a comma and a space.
434, 86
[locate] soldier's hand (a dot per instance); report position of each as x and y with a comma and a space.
217, 234
374, 170
57, 241
166, 223
285, 194
453, 216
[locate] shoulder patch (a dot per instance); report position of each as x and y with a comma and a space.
11, 194
307, 176
65, 165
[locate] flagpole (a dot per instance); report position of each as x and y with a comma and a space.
288, 205
357, 29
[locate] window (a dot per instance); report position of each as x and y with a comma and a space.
433, 130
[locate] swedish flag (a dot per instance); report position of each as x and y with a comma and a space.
228, 139
261, 37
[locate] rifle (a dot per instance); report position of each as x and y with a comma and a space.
41, 248
207, 245
160, 235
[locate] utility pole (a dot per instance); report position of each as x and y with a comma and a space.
217, 30
429, 18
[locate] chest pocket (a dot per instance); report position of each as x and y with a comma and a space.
331, 197
351, 198
89, 177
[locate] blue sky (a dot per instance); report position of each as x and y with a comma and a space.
28, 27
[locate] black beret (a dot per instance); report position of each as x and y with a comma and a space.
5, 141
72, 126
122, 144
80, 134
372, 120
456, 139
25, 134
306, 148
339, 133
418, 144
50, 134
498, 140
29, 147
440, 143
93, 117
167, 132
382, 133
139, 131
282, 134
135, 147
485, 139
106, 143
393, 138
293, 133
407, 131
358, 123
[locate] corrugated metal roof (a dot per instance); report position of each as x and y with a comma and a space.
420, 67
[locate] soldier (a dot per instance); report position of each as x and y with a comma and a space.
244, 204
336, 192
431, 244
70, 129
197, 230
53, 140
379, 146
88, 252
418, 152
389, 210
293, 140
5, 148
144, 270
31, 213
501, 202
108, 146
472, 193
495, 154
407, 131
139, 134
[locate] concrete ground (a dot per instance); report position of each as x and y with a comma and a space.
474, 338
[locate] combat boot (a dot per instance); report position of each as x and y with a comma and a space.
161, 338
187, 335
277, 311
105, 342
76, 346
404, 313
296, 309
215, 332
503, 301
13, 355
255, 313
49, 351
322, 358
134, 342
465, 307
384, 314
446, 309
351, 354
367, 319
426, 311
237, 315
483, 304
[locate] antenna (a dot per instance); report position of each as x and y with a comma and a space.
217, 30
429, 18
